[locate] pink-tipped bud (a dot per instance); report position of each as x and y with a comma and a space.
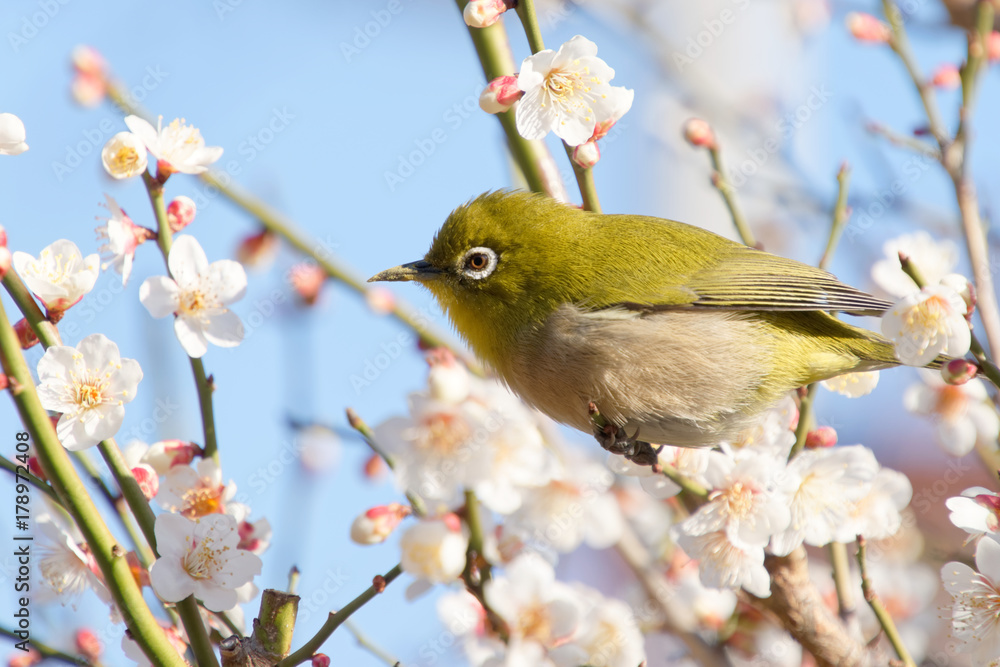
375, 468
964, 288
29, 659
3, 236
165, 454
36, 468
88, 60
375, 525
483, 13
180, 213
5, 260
147, 479
448, 380
307, 279
380, 300
824, 436
993, 47
321, 660
25, 336
88, 645
4, 383
452, 522
946, 77
500, 94
698, 132
958, 371
586, 155
257, 251
88, 90
867, 28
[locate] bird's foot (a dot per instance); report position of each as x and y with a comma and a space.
615, 440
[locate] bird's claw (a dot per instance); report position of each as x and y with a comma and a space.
615, 440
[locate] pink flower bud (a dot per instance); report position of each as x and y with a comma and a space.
180, 213
3, 236
958, 371
88, 90
824, 436
993, 47
5, 260
375, 525
483, 13
88, 645
3, 382
586, 155
867, 28
698, 132
147, 479
375, 467
25, 336
36, 468
452, 522
380, 300
500, 94
29, 659
165, 454
321, 660
964, 288
257, 251
307, 279
946, 77
88, 60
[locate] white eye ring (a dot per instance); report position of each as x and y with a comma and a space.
477, 272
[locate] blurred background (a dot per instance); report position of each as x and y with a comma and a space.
326, 110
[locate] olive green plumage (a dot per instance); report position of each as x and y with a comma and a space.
667, 328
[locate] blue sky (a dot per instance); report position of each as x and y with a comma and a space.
313, 113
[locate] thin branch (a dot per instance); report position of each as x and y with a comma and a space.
884, 619
721, 181
359, 425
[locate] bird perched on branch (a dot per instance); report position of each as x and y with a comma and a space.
672, 331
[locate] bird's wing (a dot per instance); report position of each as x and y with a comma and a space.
750, 279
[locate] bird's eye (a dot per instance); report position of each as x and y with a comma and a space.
477, 263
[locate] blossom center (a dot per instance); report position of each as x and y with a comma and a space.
739, 499
977, 613
192, 302
443, 433
534, 623
568, 90
930, 315
951, 403
202, 501
203, 561
125, 160
90, 392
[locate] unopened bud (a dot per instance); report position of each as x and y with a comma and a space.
87, 60
867, 28
25, 336
147, 479
180, 213
257, 250
698, 132
824, 436
375, 525
36, 468
88, 90
88, 645
993, 47
958, 371
321, 660
3, 236
5, 261
946, 77
448, 380
165, 454
586, 155
307, 279
964, 288
500, 94
375, 467
380, 300
483, 13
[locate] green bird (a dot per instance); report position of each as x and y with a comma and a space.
677, 335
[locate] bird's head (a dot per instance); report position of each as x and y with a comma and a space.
499, 263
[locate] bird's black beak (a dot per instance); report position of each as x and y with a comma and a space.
421, 271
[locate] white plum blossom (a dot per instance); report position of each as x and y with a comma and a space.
195, 493
975, 612
935, 259
853, 385
122, 238
748, 502
60, 276
567, 92
831, 479
878, 514
197, 296
574, 508
201, 558
434, 549
90, 385
538, 608
65, 567
12, 135
927, 323
976, 511
177, 147
962, 413
124, 156
722, 564
165, 454
607, 635
374, 525
709, 608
